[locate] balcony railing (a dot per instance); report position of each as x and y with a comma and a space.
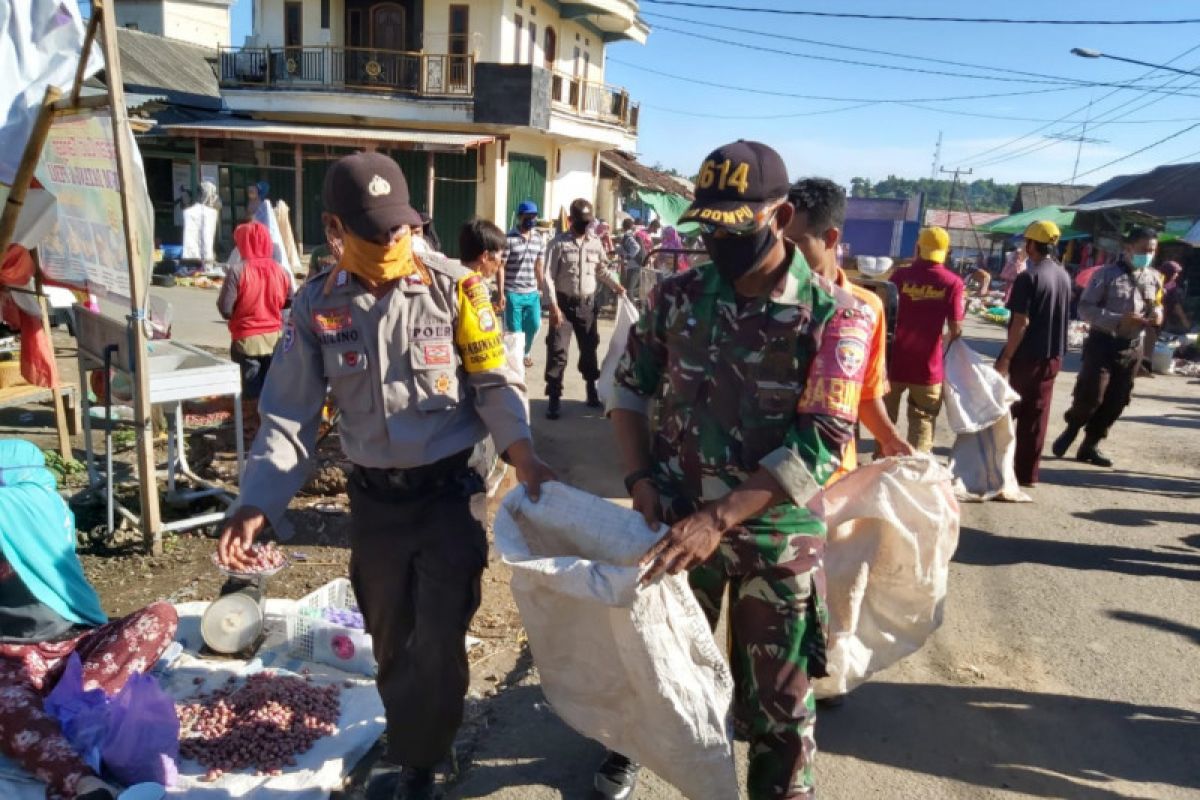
595, 100
423, 74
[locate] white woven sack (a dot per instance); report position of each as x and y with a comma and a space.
627, 317
635, 668
893, 527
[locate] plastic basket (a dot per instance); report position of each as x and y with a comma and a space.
313, 638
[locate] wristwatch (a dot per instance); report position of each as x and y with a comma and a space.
636, 477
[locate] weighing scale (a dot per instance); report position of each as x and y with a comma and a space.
233, 624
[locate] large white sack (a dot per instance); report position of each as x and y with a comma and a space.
983, 464
635, 668
978, 401
975, 395
627, 317
893, 527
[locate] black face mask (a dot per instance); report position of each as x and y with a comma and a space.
580, 226
527, 223
737, 255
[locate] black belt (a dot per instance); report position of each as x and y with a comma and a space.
1116, 341
574, 300
450, 473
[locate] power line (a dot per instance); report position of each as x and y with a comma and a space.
1141, 150
762, 48
912, 18
1009, 118
1034, 132
849, 61
1100, 122
771, 93
706, 115
1042, 77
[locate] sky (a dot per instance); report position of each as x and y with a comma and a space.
853, 134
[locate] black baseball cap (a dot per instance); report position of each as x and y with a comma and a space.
368, 192
735, 184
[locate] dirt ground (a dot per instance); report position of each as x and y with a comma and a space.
1065, 667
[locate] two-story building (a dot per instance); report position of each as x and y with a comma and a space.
483, 103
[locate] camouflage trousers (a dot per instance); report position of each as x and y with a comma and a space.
776, 589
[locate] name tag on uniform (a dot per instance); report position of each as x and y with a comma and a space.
335, 326
430, 354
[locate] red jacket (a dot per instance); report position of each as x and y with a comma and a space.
254, 292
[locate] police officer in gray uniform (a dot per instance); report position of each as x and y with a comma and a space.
575, 261
413, 353
1120, 302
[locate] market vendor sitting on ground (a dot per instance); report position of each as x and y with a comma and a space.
253, 295
414, 355
48, 611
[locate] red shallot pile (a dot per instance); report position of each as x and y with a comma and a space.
263, 557
264, 723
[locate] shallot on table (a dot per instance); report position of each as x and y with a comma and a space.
264, 723
263, 558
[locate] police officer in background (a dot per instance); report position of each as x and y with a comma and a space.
414, 354
575, 261
1120, 302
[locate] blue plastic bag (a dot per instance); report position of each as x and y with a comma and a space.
132, 737
142, 742
82, 715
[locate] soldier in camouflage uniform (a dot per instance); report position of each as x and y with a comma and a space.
742, 441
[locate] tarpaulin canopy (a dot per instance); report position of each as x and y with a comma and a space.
1015, 224
669, 207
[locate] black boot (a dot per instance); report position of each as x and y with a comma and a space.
1089, 453
415, 784
554, 408
1063, 443
593, 397
616, 779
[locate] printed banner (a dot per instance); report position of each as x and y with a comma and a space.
86, 246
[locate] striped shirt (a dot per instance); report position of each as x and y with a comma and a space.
519, 274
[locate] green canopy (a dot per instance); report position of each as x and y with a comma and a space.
1015, 224
669, 207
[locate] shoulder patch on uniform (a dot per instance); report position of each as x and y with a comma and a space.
435, 262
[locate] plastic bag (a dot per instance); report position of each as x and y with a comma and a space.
976, 396
893, 528
627, 317
142, 742
132, 736
82, 715
634, 667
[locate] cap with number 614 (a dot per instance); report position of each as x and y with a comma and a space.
736, 183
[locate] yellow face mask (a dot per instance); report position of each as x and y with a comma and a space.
378, 263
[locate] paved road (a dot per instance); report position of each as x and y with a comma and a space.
1066, 666
1067, 663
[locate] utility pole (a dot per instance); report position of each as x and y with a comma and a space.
957, 171
937, 158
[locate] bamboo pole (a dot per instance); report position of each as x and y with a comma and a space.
138, 290
88, 40
60, 411
29, 159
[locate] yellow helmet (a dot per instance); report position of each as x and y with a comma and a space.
1043, 231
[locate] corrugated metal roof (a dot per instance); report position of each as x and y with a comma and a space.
1171, 189
1104, 205
645, 177
1038, 195
232, 128
180, 71
959, 220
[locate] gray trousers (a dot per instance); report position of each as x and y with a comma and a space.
416, 557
